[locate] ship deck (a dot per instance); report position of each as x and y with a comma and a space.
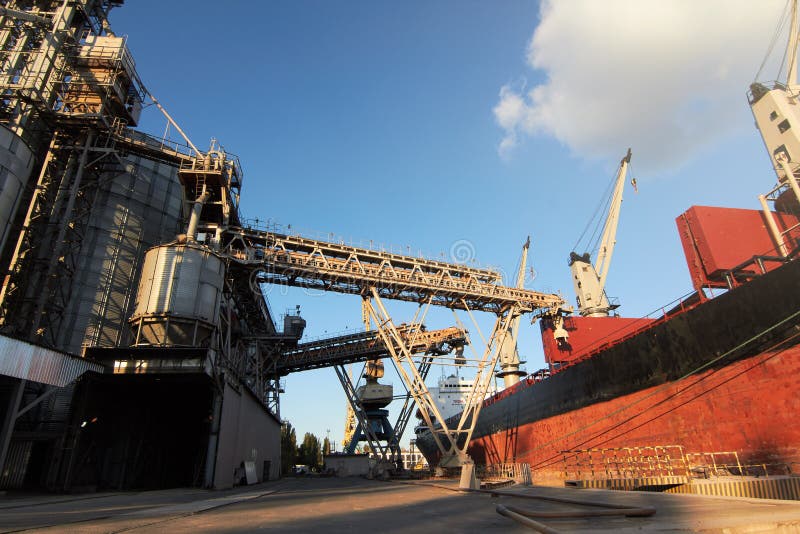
332, 505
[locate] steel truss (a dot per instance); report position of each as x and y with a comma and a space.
364, 346
452, 441
303, 262
36, 290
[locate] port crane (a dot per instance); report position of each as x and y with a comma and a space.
590, 280
367, 403
775, 113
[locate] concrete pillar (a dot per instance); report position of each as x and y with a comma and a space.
468, 479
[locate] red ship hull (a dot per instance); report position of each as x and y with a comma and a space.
716, 375
750, 406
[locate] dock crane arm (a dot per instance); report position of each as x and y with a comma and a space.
612, 221
590, 280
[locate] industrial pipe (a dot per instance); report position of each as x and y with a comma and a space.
194, 219
787, 170
523, 517
773, 227
522, 520
627, 512
646, 511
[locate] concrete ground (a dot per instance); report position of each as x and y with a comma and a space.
334, 505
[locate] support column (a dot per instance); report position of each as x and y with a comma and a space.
773, 227
213, 439
451, 442
7, 428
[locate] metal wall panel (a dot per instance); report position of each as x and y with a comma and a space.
16, 465
37, 364
248, 433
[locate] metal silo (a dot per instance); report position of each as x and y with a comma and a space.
16, 163
132, 212
178, 300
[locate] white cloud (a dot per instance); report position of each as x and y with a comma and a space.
666, 77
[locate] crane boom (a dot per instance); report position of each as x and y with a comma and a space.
612, 221
590, 280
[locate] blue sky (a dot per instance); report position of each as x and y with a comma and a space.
383, 121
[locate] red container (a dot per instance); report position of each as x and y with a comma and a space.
717, 240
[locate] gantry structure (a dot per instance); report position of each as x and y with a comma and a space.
71, 94
293, 260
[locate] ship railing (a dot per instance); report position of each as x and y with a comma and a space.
751, 268
706, 465
520, 473
616, 463
762, 470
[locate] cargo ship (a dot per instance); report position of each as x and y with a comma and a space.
712, 379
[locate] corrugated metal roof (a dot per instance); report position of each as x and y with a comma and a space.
38, 364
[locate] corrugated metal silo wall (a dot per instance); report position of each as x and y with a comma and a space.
132, 212
13, 475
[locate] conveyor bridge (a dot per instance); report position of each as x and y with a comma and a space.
303, 262
293, 260
362, 346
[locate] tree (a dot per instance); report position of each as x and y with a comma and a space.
326, 447
310, 452
288, 448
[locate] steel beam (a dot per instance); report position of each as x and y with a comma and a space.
452, 442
